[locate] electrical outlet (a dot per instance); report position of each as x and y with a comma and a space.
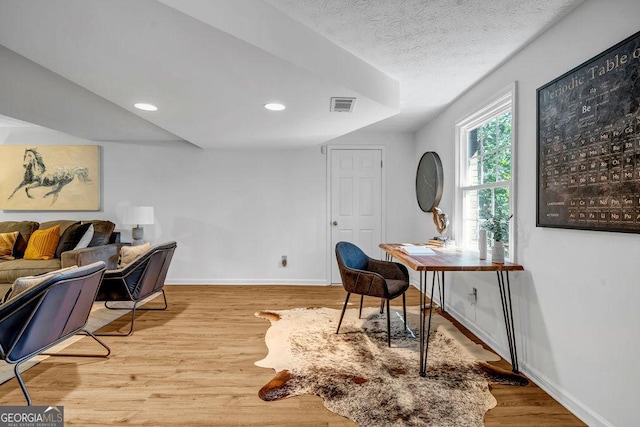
284, 260
473, 296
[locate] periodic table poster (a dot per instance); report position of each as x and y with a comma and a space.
589, 144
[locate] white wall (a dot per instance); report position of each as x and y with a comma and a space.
234, 213
577, 304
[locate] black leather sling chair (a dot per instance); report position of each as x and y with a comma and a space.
367, 276
136, 281
47, 314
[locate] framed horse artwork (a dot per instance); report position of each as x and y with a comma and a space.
50, 177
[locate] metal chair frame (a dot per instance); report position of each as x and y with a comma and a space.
133, 315
382, 304
39, 298
132, 298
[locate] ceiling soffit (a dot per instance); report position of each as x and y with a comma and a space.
209, 84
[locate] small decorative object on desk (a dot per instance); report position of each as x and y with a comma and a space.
497, 252
498, 225
436, 242
418, 250
482, 244
441, 221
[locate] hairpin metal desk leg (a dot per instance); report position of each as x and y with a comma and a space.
440, 289
424, 356
507, 311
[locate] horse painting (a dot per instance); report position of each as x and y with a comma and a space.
35, 175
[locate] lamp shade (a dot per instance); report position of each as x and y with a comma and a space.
140, 215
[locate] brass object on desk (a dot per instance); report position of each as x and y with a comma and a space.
441, 220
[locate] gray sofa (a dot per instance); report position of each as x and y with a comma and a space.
104, 246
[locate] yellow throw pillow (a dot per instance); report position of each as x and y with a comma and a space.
128, 254
43, 243
7, 242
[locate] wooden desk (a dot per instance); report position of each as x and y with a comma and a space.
452, 259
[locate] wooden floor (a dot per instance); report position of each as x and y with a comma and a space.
193, 365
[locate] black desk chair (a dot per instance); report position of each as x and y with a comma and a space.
367, 276
47, 314
136, 281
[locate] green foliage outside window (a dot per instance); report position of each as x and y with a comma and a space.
484, 165
490, 143
490, 146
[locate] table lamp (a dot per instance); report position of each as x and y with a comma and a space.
139, 215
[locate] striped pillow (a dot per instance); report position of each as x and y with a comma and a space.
42, 243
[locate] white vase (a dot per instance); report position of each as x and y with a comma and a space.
497, 253
482, 244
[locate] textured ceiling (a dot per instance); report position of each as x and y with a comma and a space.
436, 49
78, 66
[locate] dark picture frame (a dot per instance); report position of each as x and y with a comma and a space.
588, 144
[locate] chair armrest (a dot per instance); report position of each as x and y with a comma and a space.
106, 253
388, 270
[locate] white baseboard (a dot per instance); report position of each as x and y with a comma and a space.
484, 336
566, 399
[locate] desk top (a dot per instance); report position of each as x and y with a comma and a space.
446, 259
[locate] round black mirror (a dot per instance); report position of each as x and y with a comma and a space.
429, 181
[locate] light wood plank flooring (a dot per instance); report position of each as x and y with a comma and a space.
193, 365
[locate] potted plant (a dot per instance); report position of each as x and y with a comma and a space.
498, 226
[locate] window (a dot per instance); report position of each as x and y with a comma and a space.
485, 169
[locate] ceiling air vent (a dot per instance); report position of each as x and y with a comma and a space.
342, 105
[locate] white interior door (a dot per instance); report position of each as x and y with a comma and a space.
356, 201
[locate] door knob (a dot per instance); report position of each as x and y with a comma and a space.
335, 223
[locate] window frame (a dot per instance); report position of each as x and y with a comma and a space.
502, 101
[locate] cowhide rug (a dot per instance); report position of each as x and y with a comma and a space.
359, 377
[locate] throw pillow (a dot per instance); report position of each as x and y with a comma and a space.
63, 223
26, 228
43, 243
86, 239
7, 243
101, 232
23, 284
128, 254
70, 238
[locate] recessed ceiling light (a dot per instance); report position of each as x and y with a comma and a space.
274, 106
144, 106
